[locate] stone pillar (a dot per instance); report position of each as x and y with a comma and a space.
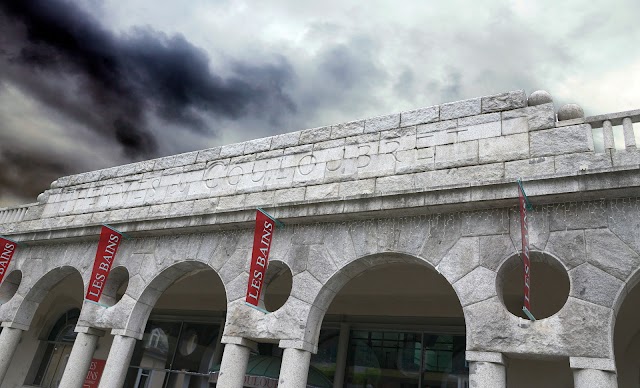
607, 132
75, 373
294, 369
9, 340
118, 361
593, 372
341, 359
487, 369
234, 361
629, 135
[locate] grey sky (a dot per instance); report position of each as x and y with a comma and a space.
252, 69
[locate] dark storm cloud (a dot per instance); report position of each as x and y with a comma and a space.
113, 84
125, 77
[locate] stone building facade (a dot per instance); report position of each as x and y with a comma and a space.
398, 265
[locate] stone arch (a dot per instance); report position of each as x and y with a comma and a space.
346, 273
625, 331
20, 310
137, 304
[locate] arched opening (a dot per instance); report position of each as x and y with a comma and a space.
115, 286
59, 343
9, 286
549, 285
395, 325
181, 342
626, 340
46, 346
278, 282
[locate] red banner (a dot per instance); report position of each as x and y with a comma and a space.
105, 255
262, 237
95, 373
7, 249
525, 251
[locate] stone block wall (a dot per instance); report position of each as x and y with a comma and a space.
473, 142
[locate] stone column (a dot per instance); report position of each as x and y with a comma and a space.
75, 373
118, 361
629, 135
486, 370
234, 361
607, 132
294, 369
593, 372
341, 359
9, 340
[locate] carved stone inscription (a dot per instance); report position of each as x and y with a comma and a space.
358, 157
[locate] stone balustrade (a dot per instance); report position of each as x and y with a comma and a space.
608, 121
14, 214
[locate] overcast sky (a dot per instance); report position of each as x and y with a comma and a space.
96, 83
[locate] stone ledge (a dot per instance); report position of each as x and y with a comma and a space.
15, 325
492, 357
298, 344
247, 343
127, 333
592, 363
612, 183
89, 330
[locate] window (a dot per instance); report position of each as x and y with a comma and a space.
173, 354
56, 350
405, 360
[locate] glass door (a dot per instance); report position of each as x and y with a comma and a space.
57, 363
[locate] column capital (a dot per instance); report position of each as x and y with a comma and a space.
128, 333
90, 331
604, 364
298, 344
240, 341
15, 325
492, 357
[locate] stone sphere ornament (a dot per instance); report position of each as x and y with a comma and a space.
570, 112
539, 97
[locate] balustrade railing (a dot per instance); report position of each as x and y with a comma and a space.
615, 130
14, 214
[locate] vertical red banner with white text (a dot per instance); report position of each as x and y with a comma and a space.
95, 373
7, 249
105, 255
262, 237
525, 250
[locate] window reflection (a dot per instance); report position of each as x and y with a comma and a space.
386, 359
173, 354
325, 359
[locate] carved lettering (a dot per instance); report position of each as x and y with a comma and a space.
391, 147
234, 175
256, 174
363, 156
336, 163
151, 191
307, 164
215, 171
